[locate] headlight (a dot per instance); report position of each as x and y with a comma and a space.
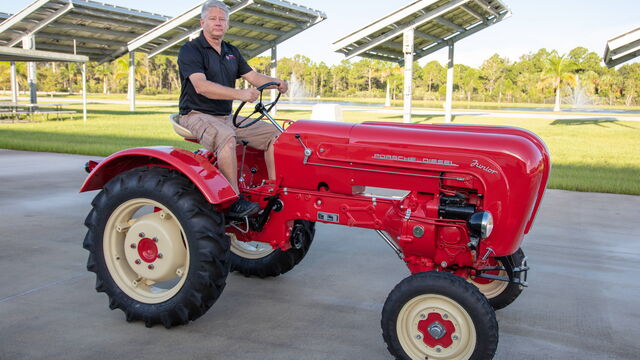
481, 224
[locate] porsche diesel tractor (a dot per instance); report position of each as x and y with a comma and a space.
459, 200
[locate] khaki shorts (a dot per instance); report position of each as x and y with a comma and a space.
213, 132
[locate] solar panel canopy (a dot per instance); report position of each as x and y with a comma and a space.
254, 26
622, 48
98, 30
436, 24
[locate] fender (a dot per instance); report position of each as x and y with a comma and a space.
206, 177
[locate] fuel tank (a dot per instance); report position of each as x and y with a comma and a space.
507, 168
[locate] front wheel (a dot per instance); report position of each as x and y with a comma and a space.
157, 247
259, 259
438, 315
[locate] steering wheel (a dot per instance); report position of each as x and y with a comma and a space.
262, 109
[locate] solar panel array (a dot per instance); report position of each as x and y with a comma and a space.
105, 32
435, 24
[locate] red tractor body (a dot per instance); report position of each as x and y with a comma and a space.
323, 169
453, 201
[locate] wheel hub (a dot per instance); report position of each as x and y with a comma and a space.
147, 250
154, 247
436, 330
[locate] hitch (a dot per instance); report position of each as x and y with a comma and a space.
517, 275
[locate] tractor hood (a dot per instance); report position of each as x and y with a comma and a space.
508, 167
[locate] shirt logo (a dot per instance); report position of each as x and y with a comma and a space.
230, 57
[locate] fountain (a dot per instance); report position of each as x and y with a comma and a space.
297, 91
578, 97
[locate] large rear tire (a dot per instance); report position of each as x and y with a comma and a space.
157, 247
260, 259
438, 315
501, 293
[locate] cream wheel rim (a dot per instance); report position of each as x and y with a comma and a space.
250, 249
146, 251
423, 307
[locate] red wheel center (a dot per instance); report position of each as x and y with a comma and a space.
147, 250
442, 325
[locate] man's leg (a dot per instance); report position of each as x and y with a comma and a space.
218, 138
270, 162
228, 163
261, 136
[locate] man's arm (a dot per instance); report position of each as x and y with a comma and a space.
256, 79
215, 91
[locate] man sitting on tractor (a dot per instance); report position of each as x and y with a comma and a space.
209, 68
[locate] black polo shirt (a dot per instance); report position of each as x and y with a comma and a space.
198, 56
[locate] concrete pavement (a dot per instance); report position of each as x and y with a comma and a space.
582, 302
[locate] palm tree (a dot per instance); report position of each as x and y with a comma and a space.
558, 72
103, 72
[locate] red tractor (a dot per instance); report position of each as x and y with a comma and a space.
161, 246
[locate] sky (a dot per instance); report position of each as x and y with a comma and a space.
552, 24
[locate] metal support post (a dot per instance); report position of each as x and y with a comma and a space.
28, 42
274, 73
448, 105
407, 48
84, 92
14, 83
132, 81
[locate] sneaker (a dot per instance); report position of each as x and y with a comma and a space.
243, 207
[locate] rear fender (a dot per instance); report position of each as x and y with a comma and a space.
206, 177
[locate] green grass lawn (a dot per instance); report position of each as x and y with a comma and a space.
594, 156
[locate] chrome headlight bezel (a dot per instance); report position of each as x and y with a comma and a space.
481, 224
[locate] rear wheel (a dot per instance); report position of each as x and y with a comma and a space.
259, 259
157, 247
501, 293
438, 315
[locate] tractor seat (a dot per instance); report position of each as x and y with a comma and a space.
181, 130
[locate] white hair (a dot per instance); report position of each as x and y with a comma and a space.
211, 4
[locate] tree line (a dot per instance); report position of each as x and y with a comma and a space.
540, 77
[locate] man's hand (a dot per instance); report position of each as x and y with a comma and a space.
249, 95
283, 87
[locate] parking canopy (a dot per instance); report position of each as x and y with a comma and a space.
622, 48
254, 27
80, 27
434, 24
419, 29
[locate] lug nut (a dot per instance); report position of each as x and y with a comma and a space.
455, 337
445, 316
151, 267
155, 239
133, 246
141, 234
438, 349
423, 316
138, 262
160, 255
418, 337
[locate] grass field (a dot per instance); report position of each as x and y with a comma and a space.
416, 103
587, 155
